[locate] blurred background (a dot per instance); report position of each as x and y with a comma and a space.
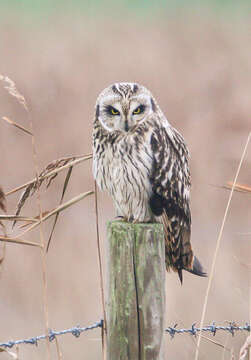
196, 60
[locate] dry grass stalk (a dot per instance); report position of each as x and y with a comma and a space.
12, 90
17, 241
66, 182
11, 353
79, 159
49, 174
42, 244
216, 343
232, 354
2, 226
17, 351
2, 200
57, 210
225, 347
210, 279
59, 352
18, 218
245, 348
238, 187
10, 86
2, 257
30, 221
104, 328
249, 337
11, 122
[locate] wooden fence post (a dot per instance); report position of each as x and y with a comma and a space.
135, 293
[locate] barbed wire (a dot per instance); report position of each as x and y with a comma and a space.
75, 331
172, 331
231, 328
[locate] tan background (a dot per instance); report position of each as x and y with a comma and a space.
198, 66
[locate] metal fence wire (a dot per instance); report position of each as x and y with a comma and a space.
232, 328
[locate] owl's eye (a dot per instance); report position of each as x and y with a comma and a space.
111, 110
139, 110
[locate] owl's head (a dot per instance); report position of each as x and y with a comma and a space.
121, 106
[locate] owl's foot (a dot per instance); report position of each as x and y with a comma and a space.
141, 220
129, 220
132, 220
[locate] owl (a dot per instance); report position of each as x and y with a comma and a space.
143, 162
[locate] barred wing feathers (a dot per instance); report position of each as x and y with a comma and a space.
171, 183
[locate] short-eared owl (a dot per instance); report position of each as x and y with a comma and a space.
142, 161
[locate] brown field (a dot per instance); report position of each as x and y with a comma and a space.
199, 68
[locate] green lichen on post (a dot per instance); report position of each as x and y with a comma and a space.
135, 292
150, 270
122, 310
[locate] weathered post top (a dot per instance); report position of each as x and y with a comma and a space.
136, 291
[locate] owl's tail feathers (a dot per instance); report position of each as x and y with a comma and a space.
197, 268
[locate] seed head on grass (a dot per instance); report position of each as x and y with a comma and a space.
10, 86
2, 200
47, 175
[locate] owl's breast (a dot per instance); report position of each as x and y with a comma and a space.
124, 170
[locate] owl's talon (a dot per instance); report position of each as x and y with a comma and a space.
120, 218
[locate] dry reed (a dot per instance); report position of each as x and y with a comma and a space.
13, 123
48, 175
10, 86
10, 353
239, 187
210, 279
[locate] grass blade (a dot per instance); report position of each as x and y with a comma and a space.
22, 200
245, 348
35, 219
2, 257
104, 328
51, 170
218, 245
20, 127
11, 353
18, 241
238, 187
17, 218
58, 209
77, 161
67, 178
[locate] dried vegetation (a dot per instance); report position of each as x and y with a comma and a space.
47, 175
203, 85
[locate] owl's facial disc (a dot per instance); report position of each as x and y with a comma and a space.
123, 106
123, 116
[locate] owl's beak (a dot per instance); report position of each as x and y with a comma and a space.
126, 125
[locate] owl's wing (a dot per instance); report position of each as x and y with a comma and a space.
170, 180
